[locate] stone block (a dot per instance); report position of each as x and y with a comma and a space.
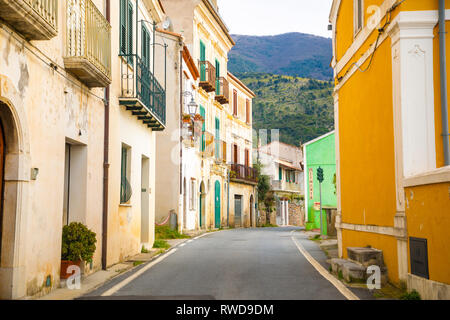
366, 256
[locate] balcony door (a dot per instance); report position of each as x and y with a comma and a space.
202, 58
247, 158
218, 93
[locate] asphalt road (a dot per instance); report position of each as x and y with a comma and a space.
239, 264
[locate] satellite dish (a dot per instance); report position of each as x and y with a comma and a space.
167, 25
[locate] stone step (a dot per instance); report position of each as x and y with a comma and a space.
366, 256
329, 244
354, 272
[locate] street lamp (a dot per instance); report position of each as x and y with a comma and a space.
192, 106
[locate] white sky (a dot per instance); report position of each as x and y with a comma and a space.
271, 17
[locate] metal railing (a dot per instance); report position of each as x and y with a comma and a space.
242, 172
47, 9
88, 34
140, 83
207, 76
222, 90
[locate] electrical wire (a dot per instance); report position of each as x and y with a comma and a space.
380, 33
50, 63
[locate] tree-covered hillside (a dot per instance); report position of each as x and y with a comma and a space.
294, 54
301, 108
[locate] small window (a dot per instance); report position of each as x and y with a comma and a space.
358, 15
235, 103
125, 186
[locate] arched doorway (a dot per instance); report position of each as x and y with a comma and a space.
217, 204
201, 211
15, 176
2, 166
252, 208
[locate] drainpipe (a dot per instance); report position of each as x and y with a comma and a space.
106, 165
443, 72
181, 122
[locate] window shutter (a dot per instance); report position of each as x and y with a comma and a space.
123, 26
247, 110
145, 46
280, 173
130, 28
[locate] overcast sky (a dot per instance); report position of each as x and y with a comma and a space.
269, 17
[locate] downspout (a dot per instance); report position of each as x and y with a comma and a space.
106, 165
181, 123
443, 75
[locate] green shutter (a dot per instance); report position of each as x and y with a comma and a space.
202, 58
123, 26
203, 143
217, 78
123, 176
130, 28
145, 46
280, 173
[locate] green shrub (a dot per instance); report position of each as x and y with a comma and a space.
413, 295
165, 232
78, 243
161, 244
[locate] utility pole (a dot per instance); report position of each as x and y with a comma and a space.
320, 179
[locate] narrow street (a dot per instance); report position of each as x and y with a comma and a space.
250, 264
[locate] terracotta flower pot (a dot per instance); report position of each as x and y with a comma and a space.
65, 265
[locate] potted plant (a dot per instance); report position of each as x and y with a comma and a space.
186, 118
78, 244
198, 117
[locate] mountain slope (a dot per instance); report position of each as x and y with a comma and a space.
294, 54
302, 109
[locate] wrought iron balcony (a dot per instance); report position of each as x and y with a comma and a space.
207, 76
88, 44
222, 91
142, 93
34, 19
241, 173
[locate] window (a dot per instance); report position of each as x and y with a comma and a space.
235, 103
126, 29
145, 46
247, 111
358, 11
192, 197
280, 173
202, 58
247, 158
125, 187
218, 93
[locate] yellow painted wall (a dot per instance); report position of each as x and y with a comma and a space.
366, 134
428, 217
386, 243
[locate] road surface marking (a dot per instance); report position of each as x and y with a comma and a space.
122, 284
338, 284
182, 245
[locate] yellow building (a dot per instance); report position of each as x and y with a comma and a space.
239, 141
393, 184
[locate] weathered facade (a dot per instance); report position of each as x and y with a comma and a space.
283, 163
392, 180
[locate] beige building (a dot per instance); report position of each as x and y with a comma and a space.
61, 140
283, 163
243, 177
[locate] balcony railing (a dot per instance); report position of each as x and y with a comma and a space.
222, 91
35, 19
142, 93
278, 185
207, 76
88, 44
243, 173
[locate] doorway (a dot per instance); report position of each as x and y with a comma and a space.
201, 211
237, 211
145, 201
217, 205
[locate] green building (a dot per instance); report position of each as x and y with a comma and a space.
320, 153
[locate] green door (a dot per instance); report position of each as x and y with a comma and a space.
217, 205
202, 58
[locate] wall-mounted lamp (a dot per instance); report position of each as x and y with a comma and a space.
192, 106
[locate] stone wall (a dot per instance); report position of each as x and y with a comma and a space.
296, 214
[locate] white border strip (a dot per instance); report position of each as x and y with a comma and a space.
335, 282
